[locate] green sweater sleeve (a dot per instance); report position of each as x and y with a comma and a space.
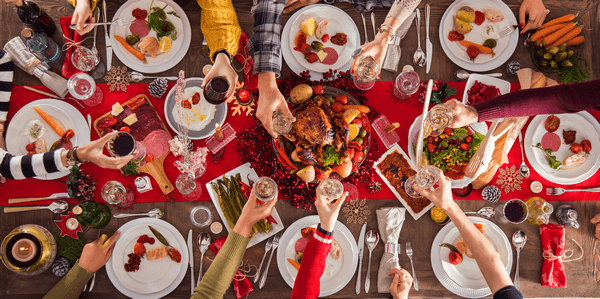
220, 274
71, 285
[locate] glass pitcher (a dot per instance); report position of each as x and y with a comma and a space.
539, 211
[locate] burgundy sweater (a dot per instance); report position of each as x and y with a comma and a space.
566, 98
308, 280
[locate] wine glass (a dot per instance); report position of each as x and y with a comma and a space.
331, 188
265, 189
188, 187
84, 59
440, 117
82, 87
215, 91
114, 193
425, 178
282, 124
514, 211
123, 144
366, 70
407, 83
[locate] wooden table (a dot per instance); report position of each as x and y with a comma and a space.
580, 273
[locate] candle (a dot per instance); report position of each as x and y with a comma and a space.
216, 228
218, 134
536, 187
24, 250
72, 224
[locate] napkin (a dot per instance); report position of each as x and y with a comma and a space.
68, 69
390, 222
245, 59
241, 285
552, 239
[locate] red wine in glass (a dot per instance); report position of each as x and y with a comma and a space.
122, 144
514, 212
215, 90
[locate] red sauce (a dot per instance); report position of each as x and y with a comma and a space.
133, 264
139, 13
479, 18
174, 255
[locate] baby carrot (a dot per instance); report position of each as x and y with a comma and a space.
551, 38
482, 49
567, 37
361, 108
294, 263
50, 121
576, 41
131, 50
563, 19
543, 32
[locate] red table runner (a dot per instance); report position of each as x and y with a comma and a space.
380, 99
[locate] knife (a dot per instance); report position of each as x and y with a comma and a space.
107, 38
361, 249
428, 44
89, 120
419, 148
191, 250
28, 199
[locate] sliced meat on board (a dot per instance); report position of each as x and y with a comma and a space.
157, 143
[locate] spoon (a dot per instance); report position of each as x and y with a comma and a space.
137, 77
203, 242
371, 240
519, 239
154, 213
524, 169
419, 58
464, 75
485, 212
57, 207
118, 22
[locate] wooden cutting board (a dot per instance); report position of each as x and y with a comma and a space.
155, 167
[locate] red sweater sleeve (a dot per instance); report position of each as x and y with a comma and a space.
566, 98
308, 280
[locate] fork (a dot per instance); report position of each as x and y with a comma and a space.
506, 31
362, 15
559, 191
263, 277
490, 137
267, 248
409, 252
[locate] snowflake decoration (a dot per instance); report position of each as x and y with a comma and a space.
356, 211
237, 108
117, 78
509, 179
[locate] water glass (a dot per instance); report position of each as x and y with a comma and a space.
265, 189
331, 188
282, 124
514, 211
84, 59
406, 84
366, 70
425, 178
114, 193
188, 187
82, 87
201, 216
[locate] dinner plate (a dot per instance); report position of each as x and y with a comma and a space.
155, 279
245, 171
161, 62
209, 129
397, 147
457, 53
67, 116
337, 274
465, 279
339, 21
480, 127
502, 85
587, 127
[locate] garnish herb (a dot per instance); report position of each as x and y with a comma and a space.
330, 156
552, 162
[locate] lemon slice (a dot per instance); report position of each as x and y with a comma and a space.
165, 44
354, 130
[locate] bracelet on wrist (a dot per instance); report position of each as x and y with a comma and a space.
221, 51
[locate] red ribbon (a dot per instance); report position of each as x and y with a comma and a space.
245, 59
241, 285
68, 69
552, 239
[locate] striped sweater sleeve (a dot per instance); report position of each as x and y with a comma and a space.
6, 78
308, 280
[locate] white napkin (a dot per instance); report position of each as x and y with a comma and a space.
389, 221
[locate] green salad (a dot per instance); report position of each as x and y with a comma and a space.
452, 150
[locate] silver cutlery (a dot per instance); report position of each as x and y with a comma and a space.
419, 155
490, 138
419, 58
89, 120
203, 242
263, 277
361, 249
371, 240
428, 44
57, 207
409, 252
91, 284
137, 77
560, 191
518, 240
191, 251
485, 212
107, 38
362, 15
118, 22
464, 75
524, 170
62, 195
506, 31
373, 23
268, 246
52, 95
94, 49
154, 213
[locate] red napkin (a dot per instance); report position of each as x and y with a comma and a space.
552, 239
241, 287
245, 59
68, 69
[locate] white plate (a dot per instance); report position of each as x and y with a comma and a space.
412, 165
504, 50
152, 269
245, 171
337, 274
67, 116
161, 62
295, 59
502, 85
219, 117
587, 127
465, 279
480, 127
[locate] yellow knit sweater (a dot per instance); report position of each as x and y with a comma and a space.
220, 26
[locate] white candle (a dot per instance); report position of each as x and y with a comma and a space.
24, 250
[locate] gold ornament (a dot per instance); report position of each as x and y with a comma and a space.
356, 211
237, 108
509, 179
117, 78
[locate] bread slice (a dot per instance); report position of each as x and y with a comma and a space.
309, 26
40, 146
493, 15
467, 14
322, 29
575, 159
462, 27
538, 80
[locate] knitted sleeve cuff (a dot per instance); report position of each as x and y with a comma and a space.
322, 235
487, 111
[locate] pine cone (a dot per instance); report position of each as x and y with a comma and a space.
60, 267
512, 68
158, 87
491, 194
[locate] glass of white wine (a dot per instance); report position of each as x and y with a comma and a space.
425, 178
366, 71
282, 124
440, 117
331, 188
265, 189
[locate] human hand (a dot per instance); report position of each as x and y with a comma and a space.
97, 253
401, 284
270, 100
537, 14
596, 221
222, 68
461, 115
328, 211
292, 5
92, 152
82, 13
253, 212
377, 49
440, 196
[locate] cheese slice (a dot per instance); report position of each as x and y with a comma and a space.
116, 109
321, 54
130, 120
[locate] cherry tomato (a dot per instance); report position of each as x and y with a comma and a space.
29, 147
325, 38
311, 57
430, 139
139, 249
587, 145
149, 157
468, 139
305, 48
576, 148
337, 107
174, 255
358, 156
196, 98
455, 258
464, 146
469, 132
357, 121
342, 99
430, 147
448, 131
31, 152
473, 52
318, 90
125, 129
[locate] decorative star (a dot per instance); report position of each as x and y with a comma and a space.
62, 225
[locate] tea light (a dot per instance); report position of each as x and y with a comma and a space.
216, 228
206, 69
24, 250
536, 187
72, 224
218, 133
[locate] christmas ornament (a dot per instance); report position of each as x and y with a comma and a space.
158, 87
61, 267
246, 106
216, 157
80, 185
356, 211
117, 78
509, 179
491, 194
64, 228
512, 68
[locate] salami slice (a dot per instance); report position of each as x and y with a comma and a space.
551, 141
139, 27
332, 56
157, 143
301, 244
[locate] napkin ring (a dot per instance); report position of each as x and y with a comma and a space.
393, 248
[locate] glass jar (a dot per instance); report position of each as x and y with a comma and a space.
539, 211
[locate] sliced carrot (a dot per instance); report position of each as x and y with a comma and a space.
563, 19
567, 37
131, 49
576, 41
294, 263
482, 49
50, 121
551, 38
543, 32
361, 108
